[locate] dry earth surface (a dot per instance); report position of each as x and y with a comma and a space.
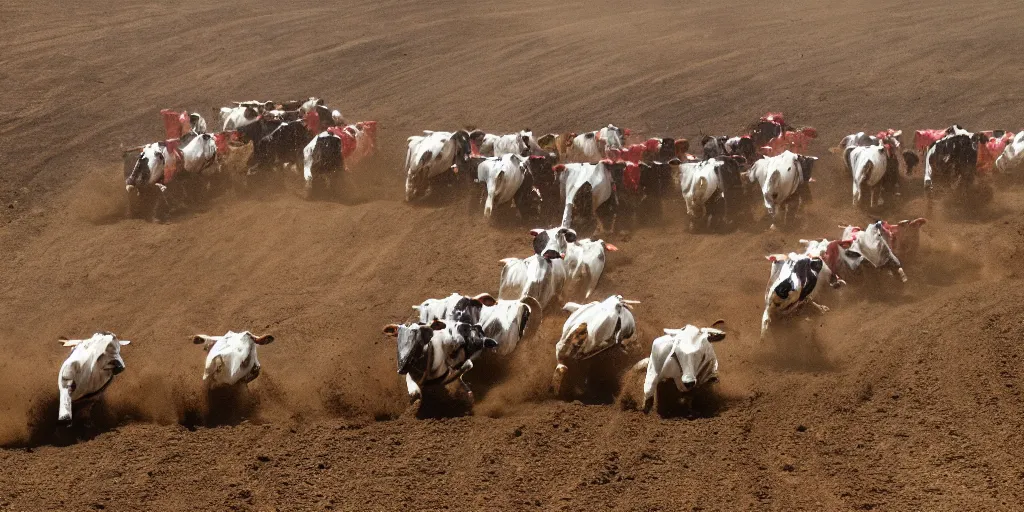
900, 399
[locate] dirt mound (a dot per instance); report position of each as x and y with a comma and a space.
903, 397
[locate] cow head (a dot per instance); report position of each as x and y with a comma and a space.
413, 341
472, 338
552, 243
232, 357
148, 167
613, 136
691, 352
467, 309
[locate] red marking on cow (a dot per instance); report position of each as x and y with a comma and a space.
774, 117
990, 151
221, 140
312, 121
652, 145
173, 124
925, 138
634, 153
831, 256
627, 132
558, 168
607, 161
631, 177
173, 161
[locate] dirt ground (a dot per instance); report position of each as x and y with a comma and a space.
904, 398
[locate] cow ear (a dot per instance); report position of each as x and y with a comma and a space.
558, 168
391, 329
437, 325
535, 232
675, 161
570, 235
918, 221
486, 299
68, 343
266, 339
124, 342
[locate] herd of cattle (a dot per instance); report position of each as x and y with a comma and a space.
592, 175
283, 135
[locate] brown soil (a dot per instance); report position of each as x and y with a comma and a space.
905, 398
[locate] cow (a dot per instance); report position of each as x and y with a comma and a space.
584, 263
322, 158
548, 186
593, 146
275, 145
509, 178
1013, 155
639, 188
923, 139
234, 118
794, 283
784, 181
455, 307
358, 141
904, 237
868, 165
542, 275
432, 154
310, 104
88, 370
198, 123
231, 359
147, 175
684, 357
703, 191
742, 146
557, 143
592, 329
199, 152
953, 159
509, 322
992, 149
585, 189
522, 143
871, 245
437, 354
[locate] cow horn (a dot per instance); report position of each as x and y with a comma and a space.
627, 301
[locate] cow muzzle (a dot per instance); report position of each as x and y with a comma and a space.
117, 368
689, 384
552, 254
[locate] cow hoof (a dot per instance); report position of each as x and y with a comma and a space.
648, 405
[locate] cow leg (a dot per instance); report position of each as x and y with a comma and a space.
766, 320
650, 386
469, 392
820, 308
556, 381
161, 207
414, 389
856, 194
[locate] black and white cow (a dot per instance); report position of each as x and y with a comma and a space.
1012, 157
144, 178
684, 357
953, 159
322, 159
231, 359
541, 276
796, 280
714, 147
437, 354
88, 370
432, 154
455, 307
584, 264
522, 143
870, 245
510, 322
274, 145
586, 190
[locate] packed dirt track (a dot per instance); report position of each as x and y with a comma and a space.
899, 399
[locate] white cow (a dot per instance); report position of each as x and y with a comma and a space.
584, 183
455, 307
430, 155
437, 354
584, 263
591, 329
780, 177
200, 154
868, 165
594, 146
700, 183
231, 358
541, 276
685, 357
509, 322
1013, 155
503, 176
88, 370
796, 280
522, 143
